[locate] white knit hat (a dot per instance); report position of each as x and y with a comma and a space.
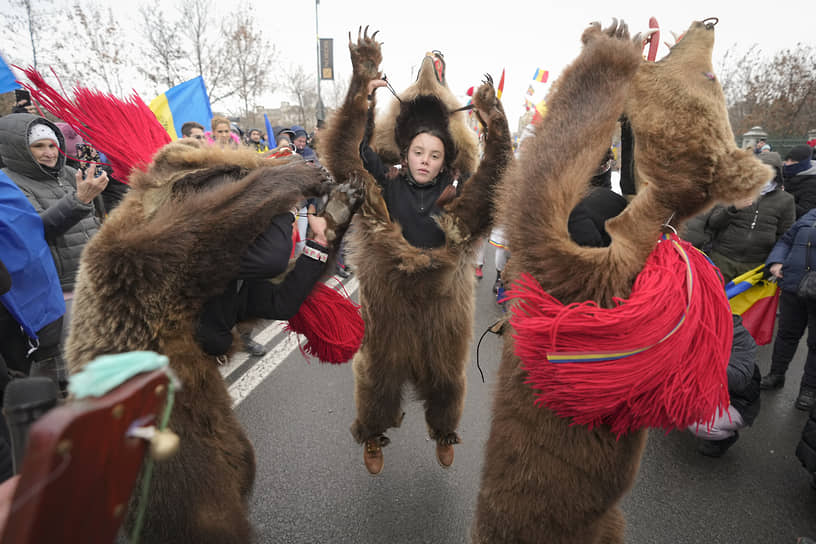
40, 131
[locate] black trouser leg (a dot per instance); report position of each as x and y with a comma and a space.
793, 319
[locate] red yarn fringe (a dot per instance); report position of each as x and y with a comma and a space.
126, 131
331, 324
657, 359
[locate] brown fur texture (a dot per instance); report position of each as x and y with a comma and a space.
545, 480
384, 141
174, 242
417, 303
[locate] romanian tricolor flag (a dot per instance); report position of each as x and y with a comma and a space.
756, 300
541, 75
186, 101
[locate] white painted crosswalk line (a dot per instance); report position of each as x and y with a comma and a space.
259, 371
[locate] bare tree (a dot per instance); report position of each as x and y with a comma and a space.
301, 87
35, 18
163, 55
336, 92
208, 49
249, 56
103, 60
32, 28
777, 93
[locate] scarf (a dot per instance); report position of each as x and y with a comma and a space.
790, 170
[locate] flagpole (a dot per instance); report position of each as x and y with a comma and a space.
317, 38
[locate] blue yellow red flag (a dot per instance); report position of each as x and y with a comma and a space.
756, 300
186, 101
7, 80
541, 75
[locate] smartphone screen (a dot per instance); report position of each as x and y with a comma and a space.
22, 95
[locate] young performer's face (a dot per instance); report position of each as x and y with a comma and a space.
426, 156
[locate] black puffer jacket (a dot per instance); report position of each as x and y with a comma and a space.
587, 221
68, 223
749, 234
803, 188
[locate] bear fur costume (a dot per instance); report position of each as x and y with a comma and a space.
175, 241
406, 292
544, 479
428, 82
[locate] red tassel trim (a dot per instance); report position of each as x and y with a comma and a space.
331, 324
657, 359
126, 131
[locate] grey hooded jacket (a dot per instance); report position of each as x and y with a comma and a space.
68, 223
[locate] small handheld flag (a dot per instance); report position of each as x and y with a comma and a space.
541, 75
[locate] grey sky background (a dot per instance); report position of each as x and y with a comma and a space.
479, 36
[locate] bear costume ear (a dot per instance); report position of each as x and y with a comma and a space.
739, 174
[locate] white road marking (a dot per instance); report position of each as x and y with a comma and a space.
247, 383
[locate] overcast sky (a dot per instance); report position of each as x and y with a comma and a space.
520, 36
479, 36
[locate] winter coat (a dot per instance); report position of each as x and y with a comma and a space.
251, 295
587, 220
803, 188
749, 234
793, 250
35, 298
410, 204
696, 232
806, 449
68, 223
743, 373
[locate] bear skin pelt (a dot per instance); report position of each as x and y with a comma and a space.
417, 303
544, 479
175, 241
428, 82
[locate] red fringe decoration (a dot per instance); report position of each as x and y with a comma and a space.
657, 359
126, 131
331, 324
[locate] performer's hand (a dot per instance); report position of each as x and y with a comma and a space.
374, 84
318, 226
776, 270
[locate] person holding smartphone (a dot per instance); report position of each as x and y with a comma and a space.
22, 102
33, 152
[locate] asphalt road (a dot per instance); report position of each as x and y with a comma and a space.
312, 487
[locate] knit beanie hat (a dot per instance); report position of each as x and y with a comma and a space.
71, 138
39, 131
800, 153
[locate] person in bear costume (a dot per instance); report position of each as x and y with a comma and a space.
412, 246
545, 478
175, 242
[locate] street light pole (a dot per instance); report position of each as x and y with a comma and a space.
317, 39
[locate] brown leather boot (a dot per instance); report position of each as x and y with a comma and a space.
444, 454
373, 455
